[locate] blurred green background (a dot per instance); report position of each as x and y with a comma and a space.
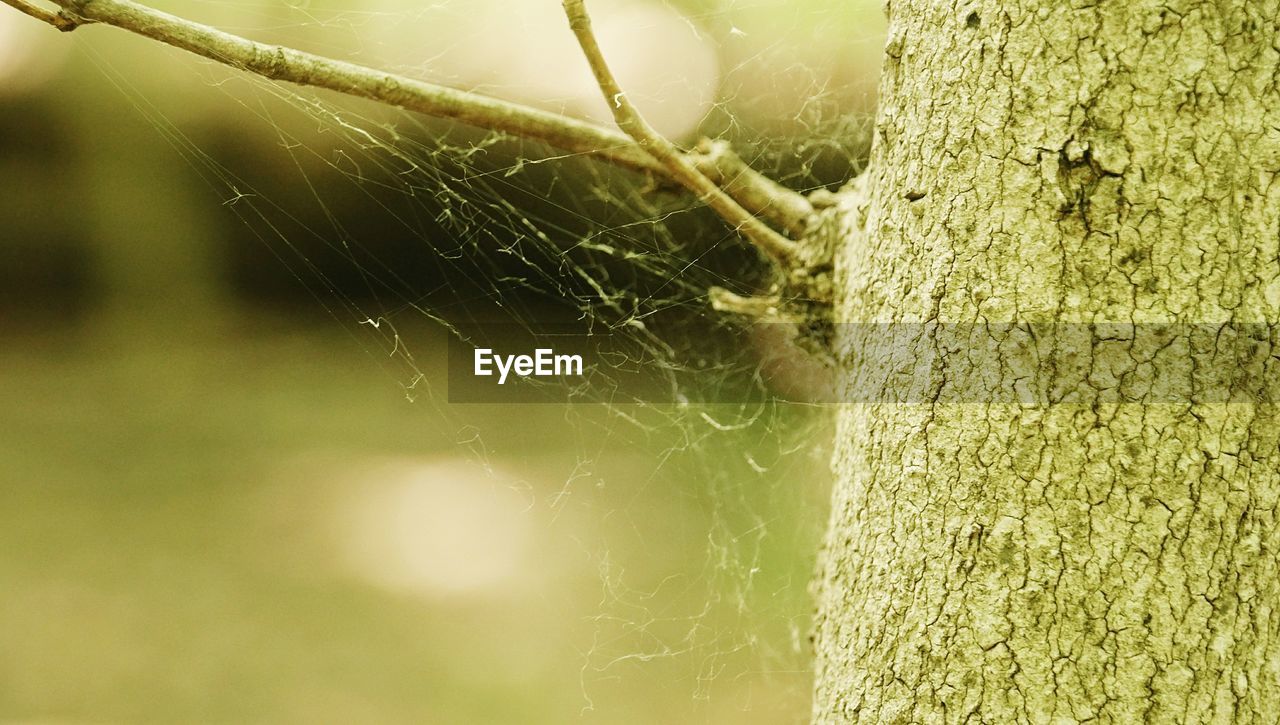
225, 499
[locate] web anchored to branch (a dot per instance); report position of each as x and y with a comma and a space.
663, 151
739, 195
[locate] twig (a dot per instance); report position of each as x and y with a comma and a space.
768, 308
665, 152
757, 193
60, 20
294, 66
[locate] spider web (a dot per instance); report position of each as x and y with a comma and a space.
406, 229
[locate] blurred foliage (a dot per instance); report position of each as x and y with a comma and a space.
168, 555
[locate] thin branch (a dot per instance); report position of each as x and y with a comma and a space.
60, 20
665, 152
757, 193
293, 66
768, 308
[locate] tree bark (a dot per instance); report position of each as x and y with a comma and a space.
1092, 550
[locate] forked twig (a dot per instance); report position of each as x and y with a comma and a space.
758, 194
681, 168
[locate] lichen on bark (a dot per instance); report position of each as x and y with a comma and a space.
1079, 558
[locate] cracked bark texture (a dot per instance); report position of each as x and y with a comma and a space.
1105, 561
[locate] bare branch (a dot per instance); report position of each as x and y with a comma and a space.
768, 308
295, 66
681, 168
60, 20
756, 193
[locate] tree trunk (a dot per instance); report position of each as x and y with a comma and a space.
1091, 545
